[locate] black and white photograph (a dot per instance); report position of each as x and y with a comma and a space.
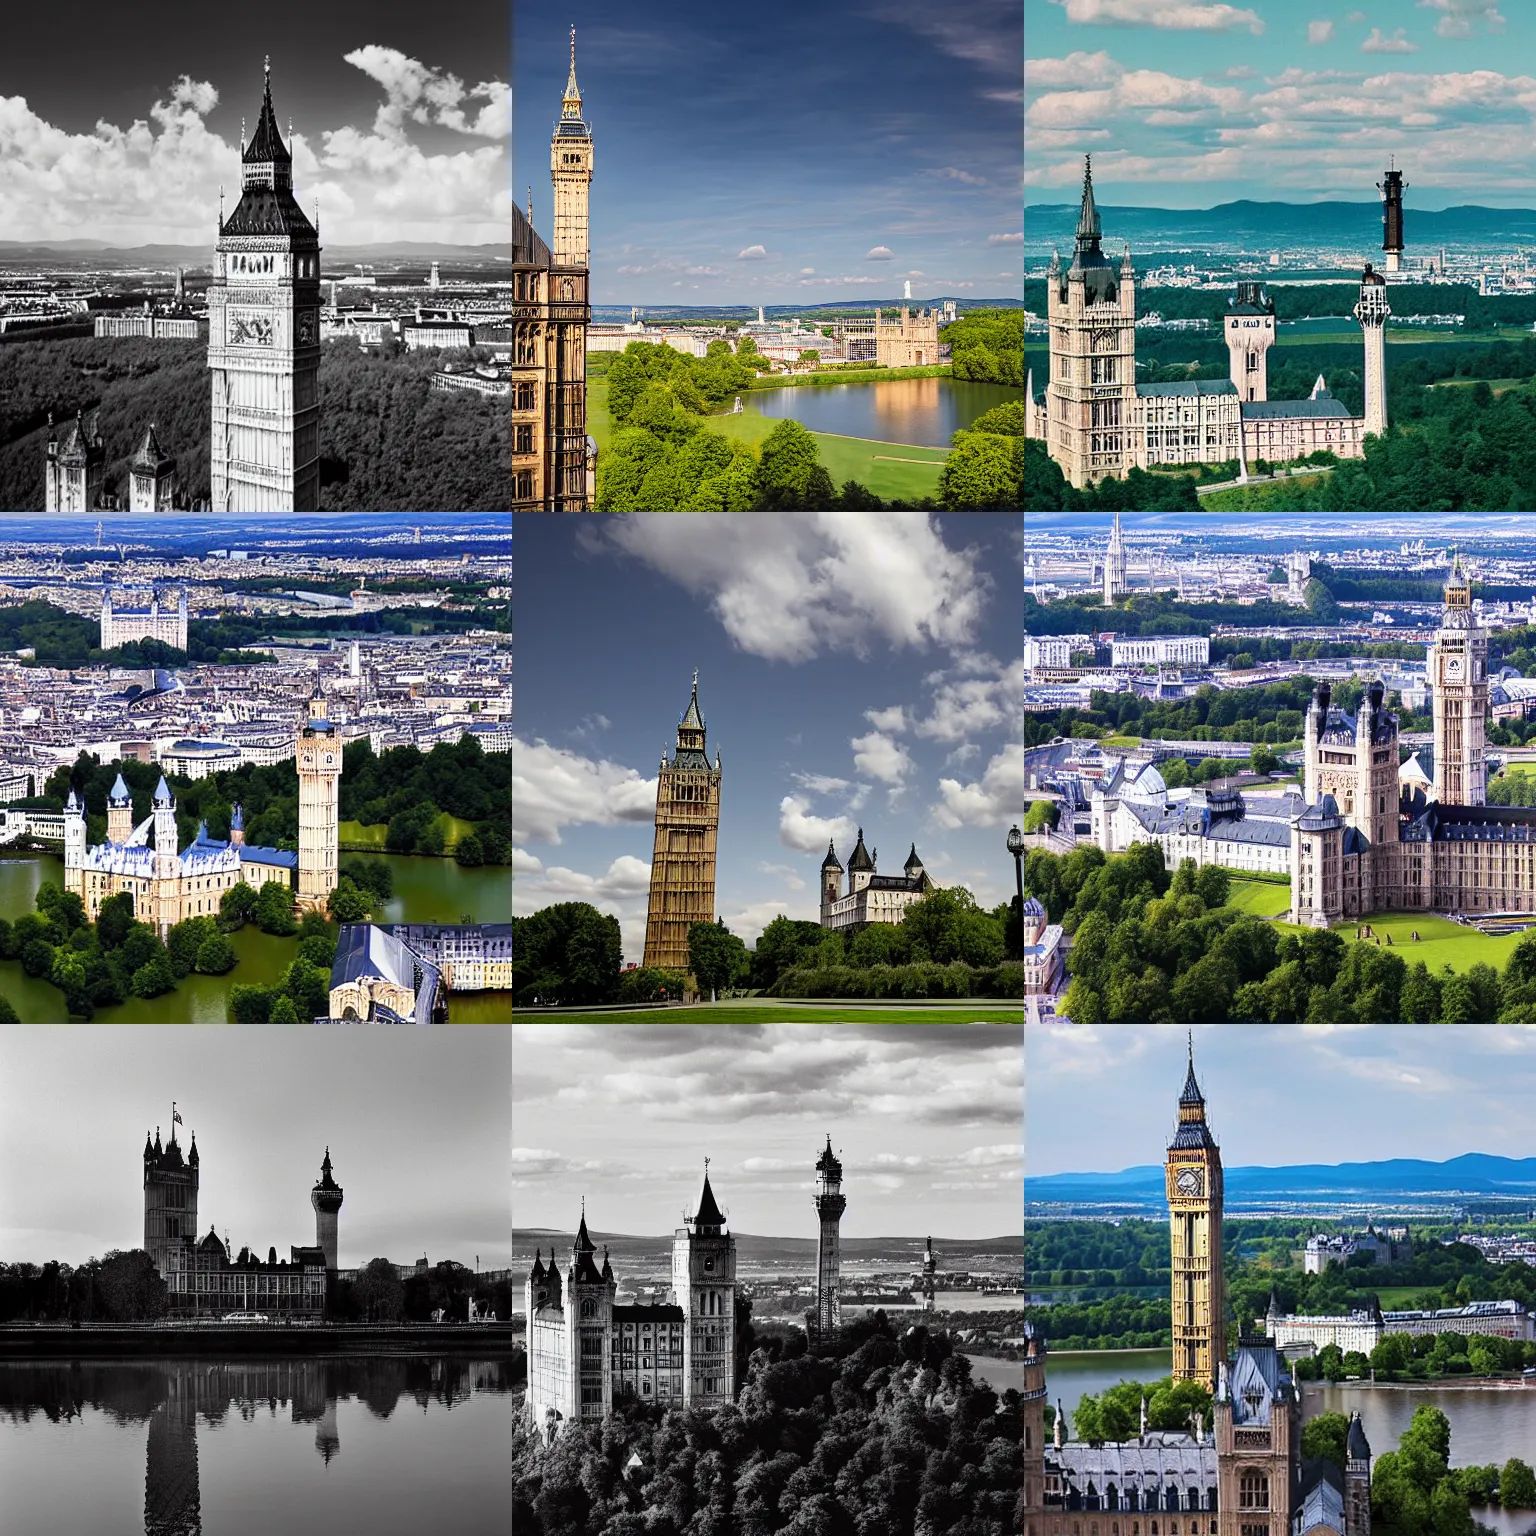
254, 1281
767, 1278
256, 269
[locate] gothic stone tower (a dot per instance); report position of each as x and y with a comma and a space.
1034, 1430
831, 880
75, 469
683, 857
151, 476
704, 1281
1372, 312
326, 1199
589, 1331
1250, 327
264, 338
1116, 583
119, 812
170, 1196
1091, 308
1458, 681
1258, 1434
167, 896
319, 763
570, 167
830, 1204
1194, 1211
1357, 1480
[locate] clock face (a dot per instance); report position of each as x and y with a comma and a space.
1191, 1181
1453, 667
330, 759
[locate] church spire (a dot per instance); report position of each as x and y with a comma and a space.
570, 104
1088, 226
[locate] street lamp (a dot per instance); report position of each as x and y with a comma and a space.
1016, 848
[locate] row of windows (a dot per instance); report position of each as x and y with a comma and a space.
1170, 1498
1172, 1528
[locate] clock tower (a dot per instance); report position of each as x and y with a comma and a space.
318, 757
1194, 1214
1458, 680
264, 337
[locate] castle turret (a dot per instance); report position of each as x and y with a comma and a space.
1372, 312
1357, 1480
170, 1199
119, 812
74, 843
704, 1282
326, 1199
589, 1330
831, 880
830, 1205
1250, 329
861, 867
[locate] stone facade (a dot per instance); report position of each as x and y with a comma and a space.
74, 469
120, 626
1194, 1183
871, 897
683, 855
319, 763
909, 342
585, 1351
264, 338
551, 455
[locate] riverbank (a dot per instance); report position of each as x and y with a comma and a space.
53, 1341
853, 376
1428, 1383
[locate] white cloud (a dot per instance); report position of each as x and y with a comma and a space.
701, 271
1460, 17
881, 758
954, 173
792, 588
554, 788
752, 253
892, 719
879, 253
1014, 239
626, 876
425, 95
805, 833
1319, 31
995, 801
789, 876
1075, 71
1397, 43
1168, 15
820, 783
807, 271
967, 706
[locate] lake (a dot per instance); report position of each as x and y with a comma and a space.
1069, 1376
922, 412
246, 1447
426, 891
998, 1374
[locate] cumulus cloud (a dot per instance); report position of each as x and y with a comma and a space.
1168, 15
1459, 18
892, 719
1077, 71
807, 271
793, 588
805, 833
752, 253
1319, 31
789, 876
820, 783
965, 706
418, 92
1397, 43
995, 800
879, 253
1013, 239
954, 173
880, 757
554, 788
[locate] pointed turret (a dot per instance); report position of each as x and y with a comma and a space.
158, 1150
163, 793
1089, 228
607, 1267
119, 794
192, 1157
266, 152
913, 862
831, 861
709, 1217
1191, 1093
584, 1270
570, 103
149, 1151
860, 858
537, 1272
693, 717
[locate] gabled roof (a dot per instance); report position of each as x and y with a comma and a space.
151, 457
860, 858
709, 1214
831, 861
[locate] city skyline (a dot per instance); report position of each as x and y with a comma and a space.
926, 1120
402, 125
1346, 1093
804, 156
1191, 105
265, 1105
855, 670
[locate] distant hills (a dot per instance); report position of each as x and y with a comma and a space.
104, 252
612, 314
1270, 225
623, 1244
1474, 1173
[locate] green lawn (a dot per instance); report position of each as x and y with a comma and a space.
989, 1012
883, 467
1398, 1298
1271, 496
1260, 898
1441, 942
453, 830
1498, 386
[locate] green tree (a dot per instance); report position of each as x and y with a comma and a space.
346, 903
378, 1293
1517, 1485
1324, 1437
567, 953
283, 1010
1213, 885
1330, 1363
113, 919
250, 1005
469, 854
717, 958
789, 476
275, 909
215, 955
1039, 813
154, 977
8, 1014
237, 906
983, 472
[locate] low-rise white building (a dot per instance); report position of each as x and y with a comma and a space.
1160, 650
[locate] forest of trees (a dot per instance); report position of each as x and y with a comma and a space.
946, 946
985, 468
388, 441
885, 1435
987, 345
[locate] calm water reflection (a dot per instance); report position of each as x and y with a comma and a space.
240, 1447
923, 412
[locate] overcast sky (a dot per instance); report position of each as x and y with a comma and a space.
416, 1121
122, 125
1201, 102
1103, 1098
925, 1119
856, 669
784, 154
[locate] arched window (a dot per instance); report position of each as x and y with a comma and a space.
1111, 1497
587, 1308
1210, 1499
1253, 1490
1170, 1498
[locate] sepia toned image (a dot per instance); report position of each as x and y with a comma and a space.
246, 274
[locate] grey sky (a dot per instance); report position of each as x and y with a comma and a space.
416, 1120
926, 1120
1102, 1098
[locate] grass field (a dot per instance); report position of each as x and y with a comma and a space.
1398, 1298
1441, 942
1498, 386
453, 830
705, 1013
1260, 898
1400, 336
1274, 495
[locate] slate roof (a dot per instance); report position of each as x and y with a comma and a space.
1316, 817
1473, 824
1190, 387
364, 950
1255, 1382
1322, 1498
1157, 1460
251, 854
1325, 406
662, 1312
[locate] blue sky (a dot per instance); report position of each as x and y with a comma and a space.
759, 154
855, 669
1101, 1098
1189, 103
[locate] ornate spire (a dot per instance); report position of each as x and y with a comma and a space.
1088, 227
693, 717
570, 105
1191, 1093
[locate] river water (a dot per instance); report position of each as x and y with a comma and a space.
922, 412
1487, 1425
426, 891
998, 1374
391, 1446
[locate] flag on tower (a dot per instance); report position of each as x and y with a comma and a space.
175, 1114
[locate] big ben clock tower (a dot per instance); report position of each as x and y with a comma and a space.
264, 338
318, 757
1458, 680
1194, 1214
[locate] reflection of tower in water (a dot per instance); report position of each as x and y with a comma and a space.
172, 1503
327, 1441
